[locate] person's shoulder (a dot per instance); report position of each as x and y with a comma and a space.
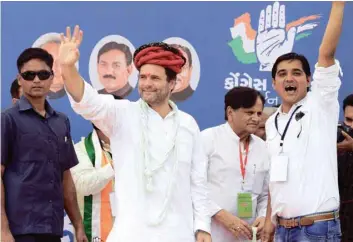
11, 112
62, 116
184, 116
212, 130
271, 119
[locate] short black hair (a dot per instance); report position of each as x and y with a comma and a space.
348, 101
292, 56
241, 97
34, 53
116, 46
15, 89
186, 50
116, 97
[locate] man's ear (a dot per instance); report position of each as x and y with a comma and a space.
172, 84
229, 111
308, 79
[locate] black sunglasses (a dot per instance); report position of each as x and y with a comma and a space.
42, 75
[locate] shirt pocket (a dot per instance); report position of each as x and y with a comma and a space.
64, 150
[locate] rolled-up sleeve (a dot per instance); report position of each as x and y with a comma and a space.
199, 190
101, 109
326, 84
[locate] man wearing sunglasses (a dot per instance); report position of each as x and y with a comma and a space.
36, 156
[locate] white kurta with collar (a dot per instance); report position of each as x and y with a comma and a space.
221, 145
187, 210
310, 144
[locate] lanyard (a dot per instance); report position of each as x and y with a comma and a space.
287, 125
245, 161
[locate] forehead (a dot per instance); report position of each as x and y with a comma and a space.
151, 69
35, 65
289, 65
113, 55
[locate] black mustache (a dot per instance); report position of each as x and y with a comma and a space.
109, 76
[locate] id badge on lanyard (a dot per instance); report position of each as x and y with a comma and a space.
244, 199
279, 163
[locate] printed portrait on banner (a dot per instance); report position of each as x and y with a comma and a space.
111, 67
188, 79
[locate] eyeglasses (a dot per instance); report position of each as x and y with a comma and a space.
42, 75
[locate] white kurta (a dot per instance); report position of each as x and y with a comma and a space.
187, 211
310, 144
225, 179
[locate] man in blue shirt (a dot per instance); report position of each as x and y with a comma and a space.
36, 156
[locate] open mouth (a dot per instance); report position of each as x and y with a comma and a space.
290, 89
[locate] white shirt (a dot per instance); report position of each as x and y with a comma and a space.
221, 145
188, 208
310, 144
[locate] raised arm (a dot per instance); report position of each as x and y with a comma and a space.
102, 110
332, 34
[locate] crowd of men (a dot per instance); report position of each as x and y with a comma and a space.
147, 173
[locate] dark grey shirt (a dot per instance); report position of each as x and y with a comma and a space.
35, 152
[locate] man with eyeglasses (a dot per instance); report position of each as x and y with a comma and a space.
36, 156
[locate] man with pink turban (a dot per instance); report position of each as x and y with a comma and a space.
160, 167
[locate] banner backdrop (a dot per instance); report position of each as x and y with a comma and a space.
226, 44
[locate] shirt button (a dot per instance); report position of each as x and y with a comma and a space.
50, 201
51, 181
